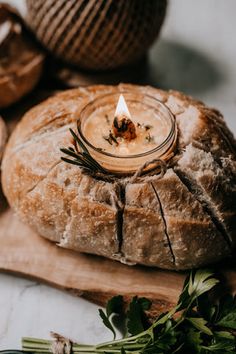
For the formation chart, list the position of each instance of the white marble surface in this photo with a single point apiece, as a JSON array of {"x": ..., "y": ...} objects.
[{"x": 196, "y": 54}]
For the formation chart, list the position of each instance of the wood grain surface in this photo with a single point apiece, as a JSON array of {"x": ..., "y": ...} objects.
[{"x": 25, "y": 253}]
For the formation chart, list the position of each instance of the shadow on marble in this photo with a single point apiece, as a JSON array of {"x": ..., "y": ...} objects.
[{"x": 173, "y": 65}]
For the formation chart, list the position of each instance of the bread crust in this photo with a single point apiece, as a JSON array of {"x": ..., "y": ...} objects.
[
  {"x": 155, "y": 222},
  {"x": 213, "y": 186},
  {"x": 194, "y": 238},
  {"x": 93, "y": 219},
  {"x": 144, "y": 228}
]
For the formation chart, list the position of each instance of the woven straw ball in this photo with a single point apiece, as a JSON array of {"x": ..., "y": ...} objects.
[{"x": 96, "y": 34}]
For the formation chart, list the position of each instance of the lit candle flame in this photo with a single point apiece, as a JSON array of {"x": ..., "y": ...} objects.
[
  {"x": 122, "y": 124},
  {"x": 121, "y": 108}
]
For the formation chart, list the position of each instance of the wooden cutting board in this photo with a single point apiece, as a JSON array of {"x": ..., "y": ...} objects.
[{"x": 26, "y": 254}]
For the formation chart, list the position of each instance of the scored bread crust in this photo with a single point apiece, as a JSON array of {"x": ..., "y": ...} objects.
[{"x": 185, "y": 219}]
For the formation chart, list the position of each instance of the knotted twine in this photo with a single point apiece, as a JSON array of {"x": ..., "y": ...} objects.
[
  {"x": 60, "y": 344},
  {"x": 158, "y": 164},
  {"x": 139, "y": 175}
]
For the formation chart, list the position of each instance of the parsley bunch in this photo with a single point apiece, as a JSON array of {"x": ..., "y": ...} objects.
[{"x": 194, "y": 325}]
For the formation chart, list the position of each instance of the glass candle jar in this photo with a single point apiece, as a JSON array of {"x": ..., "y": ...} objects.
[{"x": 155, "y": 125}]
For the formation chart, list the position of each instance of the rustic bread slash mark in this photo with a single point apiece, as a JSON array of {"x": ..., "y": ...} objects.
[
  {"x": 45, "y": 135},
  {"x": 47, "y": 207},
  {"x": 193, "y": 237},
  {"x": 30, "y": 166},
  {"x": 164, "y": 221},
  {"x": 43, "y": 177},
  {"x": 195, "y": 190},
  {"x": 144, "y": 239},
  {"x": 92, "y": 227},
  {"x": 120, "y": 213},
  {"x": 212, "y": 186}
]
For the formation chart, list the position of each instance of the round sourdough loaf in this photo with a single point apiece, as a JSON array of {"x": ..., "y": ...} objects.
[{"x": 185, "y": 219}]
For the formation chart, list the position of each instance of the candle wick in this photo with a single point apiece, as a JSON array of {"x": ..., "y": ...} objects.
[{"x": 123, "y": 127}]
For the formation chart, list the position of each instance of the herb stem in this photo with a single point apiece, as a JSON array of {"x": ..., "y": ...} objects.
[
  {"x": 170, "y": 333},
  {"x": 81, "y": 156}
]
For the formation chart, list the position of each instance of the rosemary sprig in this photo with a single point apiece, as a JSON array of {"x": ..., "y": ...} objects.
[
  {"x": 194, "y": 325},
  {"x": 81, "y": 156}
]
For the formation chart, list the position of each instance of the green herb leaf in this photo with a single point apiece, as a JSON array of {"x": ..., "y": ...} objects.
[
  {"x": 114, "y": 305},
  {"x": 221, "y": 344},
  {"x": 206, "y": 308},
  {"x": 200, "y": 324},
  {"x": 229, "y": 321},
  {"x": 201, "y": 282},
  {"x": 225, "y": 335},
  {"x": 145, "y": 303},
  {"x": 196, "y": 284},
  {"x": 137, "y": 320},
  {"x": 193, "y": 340},
  {"x": 187, "y": 328},
  {"x": 227, "y": 312},
  {"x": 107, "y": 322}
]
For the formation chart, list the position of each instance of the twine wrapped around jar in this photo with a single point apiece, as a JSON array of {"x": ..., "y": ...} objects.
[{"x": 96, "y": 34}]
